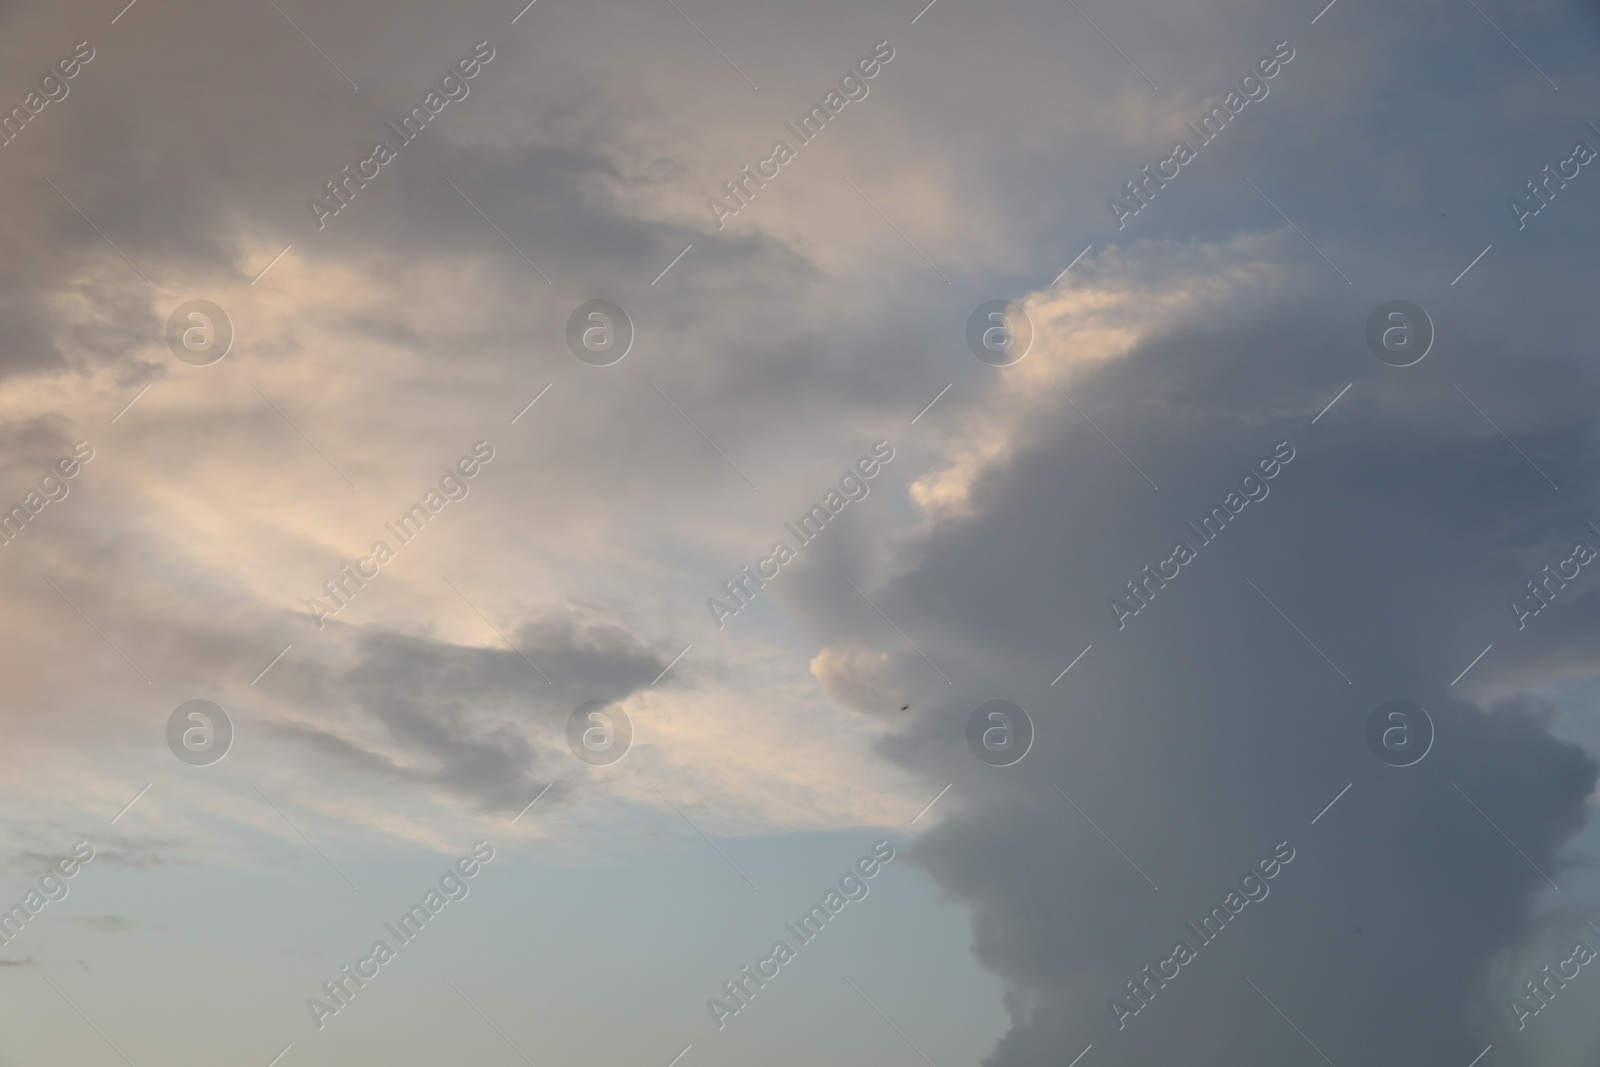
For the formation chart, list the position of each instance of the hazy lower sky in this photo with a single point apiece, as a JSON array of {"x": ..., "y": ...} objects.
[{"x": 1033, "y": 535}]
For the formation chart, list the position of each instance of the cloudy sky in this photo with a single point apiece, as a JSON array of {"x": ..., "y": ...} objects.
[{"x": 246, "y": 354}]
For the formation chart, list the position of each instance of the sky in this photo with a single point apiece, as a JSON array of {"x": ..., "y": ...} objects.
[{"x": 1087, "y": 505}]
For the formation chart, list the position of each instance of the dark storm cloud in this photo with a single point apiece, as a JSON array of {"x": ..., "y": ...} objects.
[{"x": 1208, "y": 730}]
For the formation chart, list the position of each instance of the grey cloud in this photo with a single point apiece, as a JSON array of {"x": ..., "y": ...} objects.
[
  {"x": 478, "y": 723},
  {"x": 1196, "y": 738},
  {"x": 1209, "y": 729},
  {"x": 140, "y": 852},
  {"x": 29, "y": 449},
  {"x": 115, "y": 850}
]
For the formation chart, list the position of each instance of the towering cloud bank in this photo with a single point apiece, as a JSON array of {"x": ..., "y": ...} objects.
[{"x": 1237, "y": 713}]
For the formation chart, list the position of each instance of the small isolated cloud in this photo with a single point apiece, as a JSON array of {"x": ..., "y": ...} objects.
[
  {"x": 480, "y": 724},
  {"x": 866, "y": 680}
]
